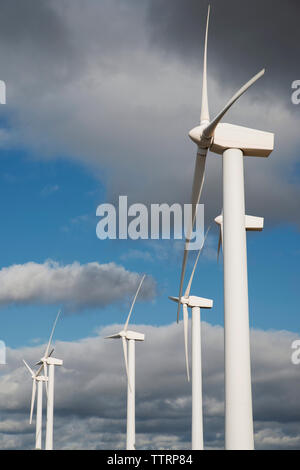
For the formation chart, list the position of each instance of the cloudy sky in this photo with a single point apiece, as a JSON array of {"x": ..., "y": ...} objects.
[{"x": 101, "y": 95}]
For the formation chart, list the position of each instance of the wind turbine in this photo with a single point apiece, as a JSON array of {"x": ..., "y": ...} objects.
[
  {"x": 128, "y": 341},
  {"x": 195, "y": 303},
  {"x": 233, "y": 142},
  {"x": 252, "y": 224},
  {"x": 45, "y": 361},
  {"x": 37, "y": 382}
]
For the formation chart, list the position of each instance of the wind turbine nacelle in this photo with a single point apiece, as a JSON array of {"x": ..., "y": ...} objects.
[
  {"x": 251, "y": 142},
  {"x": 135, "y": 336},
  {"x": 193, "y": 301},
  {"x": 54, "y": 362},
  {"x": 252, "y": 223}
]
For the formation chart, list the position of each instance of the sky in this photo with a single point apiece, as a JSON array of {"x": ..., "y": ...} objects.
[{"x": 101, "y": 95}]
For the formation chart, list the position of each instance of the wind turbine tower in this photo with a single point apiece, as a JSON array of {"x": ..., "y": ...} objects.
[
  {"x": 195, "y": 303},
  {"x": 37, "y": 383},
  {"x": 128, "y": 341},
  {"x": 48, "y": 361}
]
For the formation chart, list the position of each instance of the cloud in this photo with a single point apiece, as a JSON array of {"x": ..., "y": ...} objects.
[
  {"x": 124, "y": 90},
  {"x": 263, "y": 34},
  {"x": 74, "y": 286},
  {"x": 90, "y": 392}
]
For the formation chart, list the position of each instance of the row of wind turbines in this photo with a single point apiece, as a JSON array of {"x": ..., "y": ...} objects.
[
  {"x": 44, "y": 376},
  {"x": 233, "y": 143}
]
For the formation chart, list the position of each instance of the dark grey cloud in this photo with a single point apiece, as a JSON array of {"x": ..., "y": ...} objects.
[
  {"x": 32, "y": 22},
  {"x": 244, "y": 36},
  {"x": 116, "y": 86},
  {"x": 35, "y": 48}
]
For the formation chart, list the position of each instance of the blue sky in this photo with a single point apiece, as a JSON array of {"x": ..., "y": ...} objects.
[{"x": 49, "y": 210}]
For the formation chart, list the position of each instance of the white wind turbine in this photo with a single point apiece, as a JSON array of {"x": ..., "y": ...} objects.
[
  {"x": 37, "y": 383},
  {"x": 128, "y": 341},
  {"x": 195, "y": 303},
  {"x": 45, "y": 361},
  {"x": 233, "y": 142}
]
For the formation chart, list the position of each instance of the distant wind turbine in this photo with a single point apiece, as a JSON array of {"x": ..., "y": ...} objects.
[
  {"x": 37, "y": 382},
  {"x": 128, "y": 341},
  {"x": 195, "y": 303},
  {"x": 45, "y": 361}
]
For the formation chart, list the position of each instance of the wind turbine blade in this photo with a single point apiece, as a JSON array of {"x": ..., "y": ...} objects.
[
  {"x": 132, "y": 305},
  {"x": 199, "y": 176},
  {"x": 46, "y": 375},
  {"x": 222, "y": 235},
  {"x": 184, "y": 261},
  {"x": 51, "y": 352},
  {"x": 220, "y": 243},
  {"x": 188, "y": 289},
  {"x": 210, "y": 129},
  {"x": 32, "y": 399},
  {"x": 113, "y": 336},
  {"x": 39, "y": 370},
  {"x": 204, "y": 117},
  {"x": 30, "y": 370},
  {"x": 185, "y": 328},
  {"x": 124, "y": 343},
  {"x": 51, "y": 336}
]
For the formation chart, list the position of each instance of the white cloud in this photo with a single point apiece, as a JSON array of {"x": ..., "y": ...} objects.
[{"x": 76, "y": 286}]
